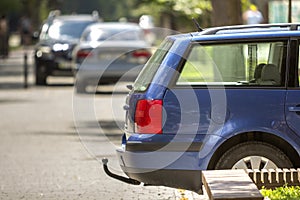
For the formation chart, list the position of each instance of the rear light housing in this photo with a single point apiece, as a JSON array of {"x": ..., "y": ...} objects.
[
  {"x": 140, "y": 56},
  {"x": 141, "y": 53},
  {"x": 83, "y": 54},
  {"x": 148, "y": 116}
]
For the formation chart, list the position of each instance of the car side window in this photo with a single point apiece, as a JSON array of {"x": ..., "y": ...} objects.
[{"x": 234, "y": 64}]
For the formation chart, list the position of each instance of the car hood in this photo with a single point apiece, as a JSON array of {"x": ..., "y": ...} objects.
[{"x": 51, "y": 42}]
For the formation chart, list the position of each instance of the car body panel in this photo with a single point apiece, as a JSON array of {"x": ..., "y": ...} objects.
[
  {"x": 200, "y": 122},
  {"x": 292, "y": 109}
]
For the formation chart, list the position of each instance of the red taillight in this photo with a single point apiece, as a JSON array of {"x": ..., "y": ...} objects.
[
  {"x": 83, "y": 53},
  {"x": 148, "y": 116},
  {"x": 141, "y": 53}
]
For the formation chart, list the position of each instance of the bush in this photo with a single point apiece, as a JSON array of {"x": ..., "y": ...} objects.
[{"x": 282, "y": 193}]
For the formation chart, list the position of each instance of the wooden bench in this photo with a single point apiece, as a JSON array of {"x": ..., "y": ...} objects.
[{"x": 230, "y": 185}]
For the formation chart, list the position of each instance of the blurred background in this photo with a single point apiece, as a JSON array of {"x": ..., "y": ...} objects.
[{"x": 172, "y": 14}]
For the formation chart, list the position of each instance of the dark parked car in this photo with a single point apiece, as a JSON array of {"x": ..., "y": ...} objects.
[
  {"x": 58, "y": 36},
  {"x": 109, "y": 52},
  {"x": 221, "y": 98}
]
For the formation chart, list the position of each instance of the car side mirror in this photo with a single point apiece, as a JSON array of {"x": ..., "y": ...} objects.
[
  {"x": 35, "y": 35},
  {"x": 130, "y": 87}
]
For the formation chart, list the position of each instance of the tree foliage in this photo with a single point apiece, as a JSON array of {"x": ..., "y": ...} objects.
[
  {"x": 189, "y": 8},
  {"x": 8, "y": 6},
  {"x": 173, "y": 13},
  {"x": 167, "y": 13},
  {"x": 227, "y": 12},
  {"x": 111, "y": 10}
]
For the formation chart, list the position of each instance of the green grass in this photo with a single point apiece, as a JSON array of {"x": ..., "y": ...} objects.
[{"x": 282, "y": 193}]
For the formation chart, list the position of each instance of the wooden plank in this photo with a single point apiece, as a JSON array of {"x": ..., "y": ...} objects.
[
  {"x": 257, "y": 177},
  {"x": 265, "y": 176},
  {"x": 295, "y": 176},
  {"x": 230, "y": 185},
  {"x": 279, "y": 176},
  {"x": 272, "y": 175},
  {"x": 287, "y": 176}
]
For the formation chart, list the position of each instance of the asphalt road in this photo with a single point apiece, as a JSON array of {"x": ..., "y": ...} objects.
[{"x": 52, "y": 140}]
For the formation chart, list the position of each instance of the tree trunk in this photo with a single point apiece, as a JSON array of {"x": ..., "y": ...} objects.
[{"x": 226, "y": 12}]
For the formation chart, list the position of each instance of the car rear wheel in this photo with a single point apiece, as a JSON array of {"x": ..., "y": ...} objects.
[
  {"x": 40, "y": 75},
  {"x": 253, "y": 155}
]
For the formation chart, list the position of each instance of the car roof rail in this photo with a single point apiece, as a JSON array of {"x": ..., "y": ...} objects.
[
  {"x": 56, "y": 13},
  {"x": 212, "y": 31}
]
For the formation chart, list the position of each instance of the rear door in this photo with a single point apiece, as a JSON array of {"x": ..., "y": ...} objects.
[
  {"x": 293, "y": 93},
  {"x": 220, "y": 89}
]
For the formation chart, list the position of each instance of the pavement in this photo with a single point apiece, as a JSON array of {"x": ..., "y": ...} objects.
[{"x": 43, "y": 155}]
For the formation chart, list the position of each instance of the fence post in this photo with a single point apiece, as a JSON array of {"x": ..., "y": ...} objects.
[{"x": 25, "y": 70}]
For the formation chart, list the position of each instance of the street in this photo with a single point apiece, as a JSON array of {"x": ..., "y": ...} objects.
[{"x": 53, "y": 140}]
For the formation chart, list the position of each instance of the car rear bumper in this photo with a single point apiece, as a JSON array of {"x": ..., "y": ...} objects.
[
  {"x": 171, "y": 160},
  {"x": 92, "y": 74},
  {"x": 56, "y": 67},
  {"x": 163, "y": 168},
  {"x": 183, "y": 179}
]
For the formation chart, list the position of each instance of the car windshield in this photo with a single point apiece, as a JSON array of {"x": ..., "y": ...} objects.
[
  {"x": 113, "y": 33},
  {"x": 149, "y": 70},
  {"x": 67, "y": 29}
]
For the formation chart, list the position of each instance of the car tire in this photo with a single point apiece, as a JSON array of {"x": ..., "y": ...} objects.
[
  {"x": 40, "y": 75},
  {"x": 253, "y": 155}
]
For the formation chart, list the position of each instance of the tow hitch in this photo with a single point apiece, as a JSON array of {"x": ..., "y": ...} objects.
[{"x": 115, "y": 176}]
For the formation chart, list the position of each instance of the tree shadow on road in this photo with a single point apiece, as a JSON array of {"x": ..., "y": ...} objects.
[
  {"x": 58, "y": 85},
  {"x": 106, "y": 128},
  {"x": 9, "y": 85}
]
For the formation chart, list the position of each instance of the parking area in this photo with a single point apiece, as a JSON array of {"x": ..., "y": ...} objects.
[{"x": 52, "y": 141}]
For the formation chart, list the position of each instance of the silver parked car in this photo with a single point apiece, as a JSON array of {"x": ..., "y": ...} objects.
[{"x": 109, "y": 52}]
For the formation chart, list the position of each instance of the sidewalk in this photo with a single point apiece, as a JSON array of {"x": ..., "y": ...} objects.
[
  {"x": 12, "y": 69},
  {"x": 42, "y": 156}
]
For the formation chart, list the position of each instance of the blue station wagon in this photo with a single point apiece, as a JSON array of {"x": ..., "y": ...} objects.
[{"x": 221, "y": 98}]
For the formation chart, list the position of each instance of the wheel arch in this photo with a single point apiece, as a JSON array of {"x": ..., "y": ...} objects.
[{"x": 271, "y": 139}]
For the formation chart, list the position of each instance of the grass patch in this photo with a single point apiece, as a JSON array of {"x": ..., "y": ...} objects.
[{"x": 282, "y": 193}]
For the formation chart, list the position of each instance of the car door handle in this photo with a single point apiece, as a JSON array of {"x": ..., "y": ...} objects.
[{"x": 294, "y": 109}]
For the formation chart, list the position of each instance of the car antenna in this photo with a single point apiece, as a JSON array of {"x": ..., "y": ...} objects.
[{"x": 197, "y": 25}]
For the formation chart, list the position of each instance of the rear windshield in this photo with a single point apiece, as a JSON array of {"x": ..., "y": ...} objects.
[
  {"x": 66, "y": 30},
  {"x": 145, "y": 77},
  {"x": 113, "y": 33}
]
